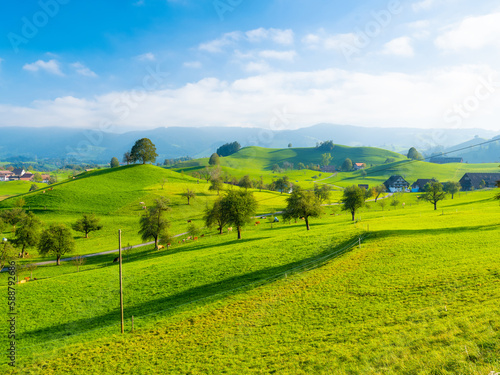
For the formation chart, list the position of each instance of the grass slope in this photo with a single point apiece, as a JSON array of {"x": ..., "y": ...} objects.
[{"x": 419, "y": 297}]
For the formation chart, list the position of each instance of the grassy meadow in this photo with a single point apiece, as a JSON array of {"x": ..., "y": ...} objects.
[{"x": 419, "y": 295}]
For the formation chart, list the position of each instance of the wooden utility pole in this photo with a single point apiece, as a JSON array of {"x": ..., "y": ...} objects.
[{"x": 121, "y": 282}]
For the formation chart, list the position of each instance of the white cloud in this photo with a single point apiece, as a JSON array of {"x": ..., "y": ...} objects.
[
  {"x": 422, "y": 5},
  {"x": 257, "y": 67},
  {"x": 282, "y": 37},
  {"x": 472, "y": 33},
  {"x": 217, "y": 45},
  {"x": 146, "y": 57},
  {"x": 278, "y": 55},
  {"x": 83, "y": 70},
  {"x": 330, "y": 95},
  {"x": 192, "y": 64},
  {"x": 51, "y": 66},
  {"x": 420, "y": 29},
  {"x": 399, "y": 47},
  {"x": 330, "y": 42}
]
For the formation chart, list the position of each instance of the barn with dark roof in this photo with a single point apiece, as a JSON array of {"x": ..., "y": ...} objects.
[{"x": 472, "y": 181}]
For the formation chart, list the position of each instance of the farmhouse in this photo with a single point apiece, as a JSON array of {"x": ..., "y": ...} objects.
[
  {"x": 328, "y": 169},
  {"x": 5, "y": 175},
  {"x": 396, "y": 183},
  {"x": 419, "y": 185},
  {"x": 363, "y": 186},
  {"x": 358, "y": 166},
  {"x": 27, "y": 177},
  {"x": 445, "y": 160},
  {"x": 472, "y": 181}
]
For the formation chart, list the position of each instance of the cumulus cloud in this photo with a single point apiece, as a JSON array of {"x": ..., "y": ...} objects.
[
  {"x": 399, "y": 47},
  {"x": 278, "y": 55},
  {"x": 423, "y": 5},
  {"x": 146, "y": 57},
  {"x": 51, "y": 66},
  {"x": 330, "y": 95},
  {"x": 83, "y": 70},
  {"x": 472, "y": 33},
  {"x": 217, "y": 45}
]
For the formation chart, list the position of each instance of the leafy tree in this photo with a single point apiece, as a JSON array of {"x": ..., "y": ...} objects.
[
  {"x": 114, "y": 163},
  {"x": 390, "y": 160},
  {"x": 289, "y": 145},
  {"x": 433, "y": 193},
  {"x": 302, "y": 203},
  {"x": 325, "y": 159},
  {"x": 88, "y": 223},
  {"x": 153, "y": 224},
  {"x": 245, "y": 182},
  {"x": 143, "y": 150},
  {"x": 378, "y": 190},
  {"x": 216, "y": 216},
  {"x": 322, "y": 192},
  {"x": 282, "y": 183},
  {"x": 353, "y": 199},
  {"x": 228, "y": 149},
  {"x": 56, "y": 240},
  {"x": 347, "y": 165},
  {"x": 259, "y": 184},
  {"x": 216, "y": 184},
  {"x": 482, "y": 184},
  {"x": 189, "y": 194},
  {"x": 214, "y": 159},
  {"x": 127, "y": 158},
  {"x": 163, "y": 182},
  {"x": 382, "y": 203},
  {"x": 37, "y": 177},
  {"x": 325, "y": 146},
  {"x": 28, "y": 233},
  {"x": 7, "y": 254},
  {"x": 52, "y": 180},
  {"x": 33, "y": 187},
  {"x": 413, "y": 154},
  {"x": 301, "y": 166},
  {"x": 239, "y": 206},
  {"x": 193, "y": 230},
  {"x": 452, "y": 187},
  {"x": 276, "y": 168},
  {"x": 19, "y": 203},
  {"x": 13, "y": 216}
]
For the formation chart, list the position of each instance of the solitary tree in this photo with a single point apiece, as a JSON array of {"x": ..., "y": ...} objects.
[
  {"x": 282, "y": 183},
  {"x": 301, "y": 166},
  {"x": 216, "y": 216},
  {"x": 13, "y": 216},
  {"x": 216, "y": 184},
  {"x": 56, "y": 240},
  {"x": 245, "y": 182},
  {"x": 114, "y": 163},
  {"x": 214, "y": 159},
  {"x": 88, "y": 223},
  {"x": 37, "y": 177},
  {"x": 347, "y": 165},
  {"x": 240, "y": 206},
  {"x": 52, "y": 180},
  {"x": 289, "y": 145},
  {"x": 33, "y": 187},
  {"x": 413, "y": 154},
  {"x": 127, "y": 158},
  {"x": 302, "y": 204},
  {"x": 353, "y": 199},
  {"x": 78, "y": 261},
  {"x": 325, "y": 159},
  {"x": 153, "y": 224},
  {"x": 322, "y": 192},
  {"x": 189, "y": 194},
  {"x": 378, "y": 190},
  {"x": 28, "y": 232},
  {"x": 433, "y": 193},
  {"x": 163, "y": 182},
  {"x": 144, "y": 150},
  {"x": 452, "y": 187}
]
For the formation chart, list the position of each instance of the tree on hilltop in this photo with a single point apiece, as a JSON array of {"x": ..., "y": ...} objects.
[
  {"x": 228, "y": 149},
  {"x": 413, "y": 154},
  {"x": 144, "y": 151},
  {"x": 114, "y": 163},
  {"x": 214, "y": 159},
  {"x": 127, "y": 158}
]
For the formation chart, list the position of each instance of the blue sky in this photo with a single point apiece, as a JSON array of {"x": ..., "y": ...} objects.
[{"x": 141, "y": 64}]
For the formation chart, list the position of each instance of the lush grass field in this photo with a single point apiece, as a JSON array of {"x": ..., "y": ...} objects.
[
  {"x": 12, "y": 188},
  {"x": 419, "y": 297}
]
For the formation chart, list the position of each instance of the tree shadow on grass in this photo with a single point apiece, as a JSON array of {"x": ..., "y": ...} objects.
[{"x": 199, "y": 296}]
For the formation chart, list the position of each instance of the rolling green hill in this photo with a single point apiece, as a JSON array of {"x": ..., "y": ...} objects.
[{"x": 412, "y": 299}]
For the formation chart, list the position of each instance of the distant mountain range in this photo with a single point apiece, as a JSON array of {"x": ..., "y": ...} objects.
[{"x": 91, "y": 145}]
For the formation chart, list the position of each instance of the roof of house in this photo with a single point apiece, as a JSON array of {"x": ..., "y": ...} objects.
[
  {"x": 27, "y": 176},
  {"x": 421, "y": 182},
  {"x": 18, "y": 171},
  {"x": 393, "y": 179},
  {"x": 6, "y": 173},
  {"x": 476, "y": 178},
  {"x": 445, "y": 160},
  {"x": 359, "y": 164}
]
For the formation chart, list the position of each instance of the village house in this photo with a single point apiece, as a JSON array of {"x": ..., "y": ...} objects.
[
  {"x": 358, "y": 166},
  {"x": 445, "y": 160},
  {"x": 419, "y": 185},
  {"x": 472, "y": 181},
  {"x": 5, "y": 175},
  {"x": 396, "y": 183},
  {"x": 328, "y": 169}
]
